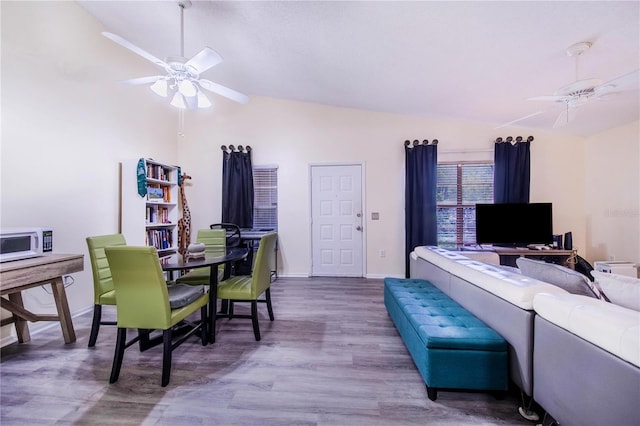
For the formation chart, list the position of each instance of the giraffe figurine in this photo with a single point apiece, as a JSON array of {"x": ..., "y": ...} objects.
[{"x": 184, "y": 223}]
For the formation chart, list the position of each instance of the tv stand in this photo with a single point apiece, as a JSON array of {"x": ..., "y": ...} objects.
[{"x": 508, "y": 255}]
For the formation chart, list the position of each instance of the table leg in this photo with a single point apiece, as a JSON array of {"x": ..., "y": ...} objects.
[
  {"x": 213, "y": 302},
  {"x": 22, "y": 327},
  {"x": 60, "y": 297}
]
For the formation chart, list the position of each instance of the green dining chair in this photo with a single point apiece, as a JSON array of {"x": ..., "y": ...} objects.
[
  {"x": 249, "y": 288},
  {"x": 214, "y": 241},
  {"x": 103, "y": 293},
  {"x": 145, "y": 302}
]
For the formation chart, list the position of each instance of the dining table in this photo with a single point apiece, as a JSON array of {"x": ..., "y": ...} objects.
[{"x": 177, "y": 262}]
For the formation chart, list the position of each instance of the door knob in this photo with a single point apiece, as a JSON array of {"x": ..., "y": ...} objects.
[{"x": 358, "y": 228}]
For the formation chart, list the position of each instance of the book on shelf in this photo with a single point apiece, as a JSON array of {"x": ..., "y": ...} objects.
[
  {"x": 161, "y": 239},
  {"x": 155, "y": 193},
  {"x": 155, "y": 171}
]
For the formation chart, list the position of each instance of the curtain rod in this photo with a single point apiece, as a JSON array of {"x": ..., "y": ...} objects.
[
  {"x": 232, "y": 148},
  {"x": 416, "y": 142},
  {"x": 511, "y": 140}
]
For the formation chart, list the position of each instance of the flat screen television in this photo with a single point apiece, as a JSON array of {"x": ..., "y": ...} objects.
[{"x": 514, "y": 224}]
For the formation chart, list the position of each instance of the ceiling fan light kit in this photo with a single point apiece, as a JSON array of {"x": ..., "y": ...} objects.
[
  {"x": 160, "y": 88},
  {"x": 182, "y": 81}
]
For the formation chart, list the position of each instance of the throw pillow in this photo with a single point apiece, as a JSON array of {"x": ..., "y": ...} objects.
[
  {"x": 565, "y": 278},
  {"x": 620, "y": 289}
]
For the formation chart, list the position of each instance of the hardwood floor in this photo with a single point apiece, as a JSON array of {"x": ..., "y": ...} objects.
[{"x": 331, "y": 357}]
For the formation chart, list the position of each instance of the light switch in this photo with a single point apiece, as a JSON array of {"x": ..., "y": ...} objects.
[{"x": 375, "y": 216}]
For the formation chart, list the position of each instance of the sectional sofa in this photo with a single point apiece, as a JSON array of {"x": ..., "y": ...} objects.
[{"x": 578, "y": 357}]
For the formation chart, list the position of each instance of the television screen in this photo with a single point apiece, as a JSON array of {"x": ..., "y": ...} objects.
[{"x": 514, "y": 224}]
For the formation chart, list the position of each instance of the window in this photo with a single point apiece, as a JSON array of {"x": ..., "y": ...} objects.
[
  {"x": 265, "y": 203},
  {"x": 460, "y": 187}
]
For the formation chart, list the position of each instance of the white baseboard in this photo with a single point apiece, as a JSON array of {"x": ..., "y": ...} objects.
[
  {"x": 382, "y": 276},
  {"x": 368, "y": 276},
  {"x": 293, "y": 275}
]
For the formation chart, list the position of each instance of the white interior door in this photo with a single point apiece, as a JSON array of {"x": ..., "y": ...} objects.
[{"x": 336, "y": 221}]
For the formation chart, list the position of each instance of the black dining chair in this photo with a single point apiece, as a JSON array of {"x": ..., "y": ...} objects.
[
  {"x": 233, "y": 233},
  {"x": 234, "y": 239}
]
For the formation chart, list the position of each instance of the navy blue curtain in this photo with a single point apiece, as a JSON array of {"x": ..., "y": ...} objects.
[
  {"x": 421, "y": 225},
  {"x": 511, "y": 172},
  {"x": 237, "y": 188}
]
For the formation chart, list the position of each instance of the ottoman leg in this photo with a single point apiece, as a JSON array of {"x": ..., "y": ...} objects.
[{"x": 432, "y": 393}]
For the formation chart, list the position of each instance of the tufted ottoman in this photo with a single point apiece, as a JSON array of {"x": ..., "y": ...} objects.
[{"x": 451, "y": 348}]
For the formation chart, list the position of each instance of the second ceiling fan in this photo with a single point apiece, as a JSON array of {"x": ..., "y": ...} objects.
[
  {"x": 580, "y": 92},
  {"x": 182, "y": 80}
]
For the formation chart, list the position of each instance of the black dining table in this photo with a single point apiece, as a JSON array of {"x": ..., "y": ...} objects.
[{"x": 177, "y": 262}]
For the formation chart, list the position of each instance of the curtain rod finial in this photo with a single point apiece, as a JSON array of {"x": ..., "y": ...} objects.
[
  {"x": 407, "y": 142},
  {"x": 434, "y": 142},
  {"x": 530, "y": 139},
  {"x": 224, "y": 148}
]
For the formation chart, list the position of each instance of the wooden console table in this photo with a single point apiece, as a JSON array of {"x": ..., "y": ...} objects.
[
  {"x": 508, "y": 255},
  {"x": 20, "y": 275}
]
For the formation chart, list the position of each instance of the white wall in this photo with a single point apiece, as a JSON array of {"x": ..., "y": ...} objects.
[
  {"x": 612, "y": 185},
  {"x": 294, "y": 135},
  {"x": 66, "y": 126}
]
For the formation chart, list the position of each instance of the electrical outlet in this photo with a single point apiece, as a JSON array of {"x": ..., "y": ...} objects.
[{"x": 383, "y": 253}]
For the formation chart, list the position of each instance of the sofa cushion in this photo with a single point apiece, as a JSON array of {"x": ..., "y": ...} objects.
[
  {"x": 568, "y": 279},
  {"x": 619, "y": 289},
  {"x": 516, "y": 289},
  {"x": 182, "y": 294},
  {"x": 613, "y": 328}
]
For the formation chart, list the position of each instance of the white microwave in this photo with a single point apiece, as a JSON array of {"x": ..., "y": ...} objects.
[{"x": 23, "y": 243}]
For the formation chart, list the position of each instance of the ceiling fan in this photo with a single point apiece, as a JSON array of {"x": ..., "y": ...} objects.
[
  {"x": 182, "y": 79},
  {"x": 580, "y": 92}
]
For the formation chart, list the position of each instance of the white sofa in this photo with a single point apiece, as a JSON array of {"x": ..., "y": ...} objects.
[
  {"x": 586, "y": 360},
  {"x": 576, "y": 356}
]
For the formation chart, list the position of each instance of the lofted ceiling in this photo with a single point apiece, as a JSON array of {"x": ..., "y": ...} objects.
[{"x": 476, "y": 61}]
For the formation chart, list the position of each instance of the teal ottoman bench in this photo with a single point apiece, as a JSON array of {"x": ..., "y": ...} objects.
[{"x": 452, "y": 348}]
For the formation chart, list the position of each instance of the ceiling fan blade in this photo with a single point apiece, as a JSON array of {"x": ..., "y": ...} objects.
[
  {"x": 519, "y": 119},
  {"x": 204, "y": 60},
  {"x": 551, "y": 98},
  {"x": 628, "y": 81},
  {"x": 224, "y": 91},
  {"x": 135, "y": 49},
  {"x": 561, "y": 120},
  {"x": 566, "y": 116},
  {"x": 142, "y": 80}
]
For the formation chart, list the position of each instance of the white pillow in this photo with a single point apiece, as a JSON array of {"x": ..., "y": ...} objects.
[{"x": 620, "y": 289}]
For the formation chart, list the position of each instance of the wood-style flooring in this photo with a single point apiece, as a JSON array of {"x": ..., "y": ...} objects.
[{"x": 331, "y": 357}]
